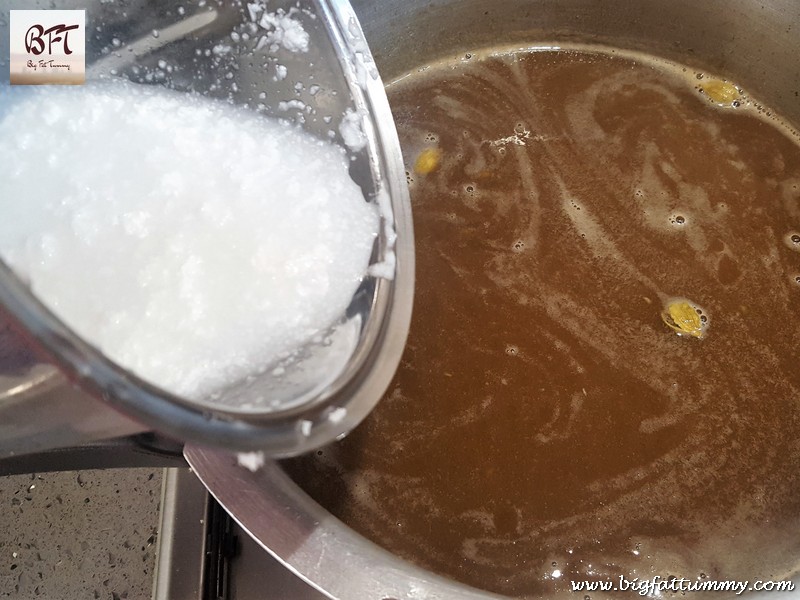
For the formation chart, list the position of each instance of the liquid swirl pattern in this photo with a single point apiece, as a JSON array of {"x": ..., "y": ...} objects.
[{"x": 545, "y": 424}]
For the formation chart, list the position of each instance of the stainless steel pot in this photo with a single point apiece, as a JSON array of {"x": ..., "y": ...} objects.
[{"x": 754, "y": 42}]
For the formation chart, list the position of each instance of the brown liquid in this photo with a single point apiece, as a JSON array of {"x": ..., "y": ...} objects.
[{"x": 544, "y": 418}]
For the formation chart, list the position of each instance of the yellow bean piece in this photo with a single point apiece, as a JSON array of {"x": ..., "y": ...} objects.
[
  {"x": 683, "y": 318},
  {"x": 721, "y": 92},
  {"x": 428, "y": 161}
]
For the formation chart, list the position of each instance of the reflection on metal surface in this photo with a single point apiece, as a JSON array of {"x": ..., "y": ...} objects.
[
  {"x": 185, "y": 562},
  {"x": 181, "y": 538},
  {"x": 309, "y": 541},
  {"x": 149, "y": 43}
]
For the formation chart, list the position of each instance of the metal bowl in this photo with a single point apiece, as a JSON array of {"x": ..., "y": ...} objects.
[{"x": 221, "y": 50}]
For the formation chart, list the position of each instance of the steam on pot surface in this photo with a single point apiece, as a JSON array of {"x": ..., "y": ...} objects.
[{"x": 601, "y": 378}]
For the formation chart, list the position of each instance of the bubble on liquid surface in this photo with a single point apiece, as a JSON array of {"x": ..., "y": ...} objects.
[
  {"x": 678, "y": 220},
  {"x": 792, "y": 240}
]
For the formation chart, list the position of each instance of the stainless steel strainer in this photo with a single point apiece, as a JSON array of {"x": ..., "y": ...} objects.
[{"x": 227, "y": 50}]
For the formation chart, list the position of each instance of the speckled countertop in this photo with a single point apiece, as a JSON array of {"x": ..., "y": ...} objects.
[{"x": 79, "y": 534}]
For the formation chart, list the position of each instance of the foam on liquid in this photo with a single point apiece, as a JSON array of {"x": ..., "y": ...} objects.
[{"x": 192, "y": 242}]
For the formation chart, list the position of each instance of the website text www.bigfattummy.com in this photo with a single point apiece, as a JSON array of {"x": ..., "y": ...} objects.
[{"x": 656, "y": 585}]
